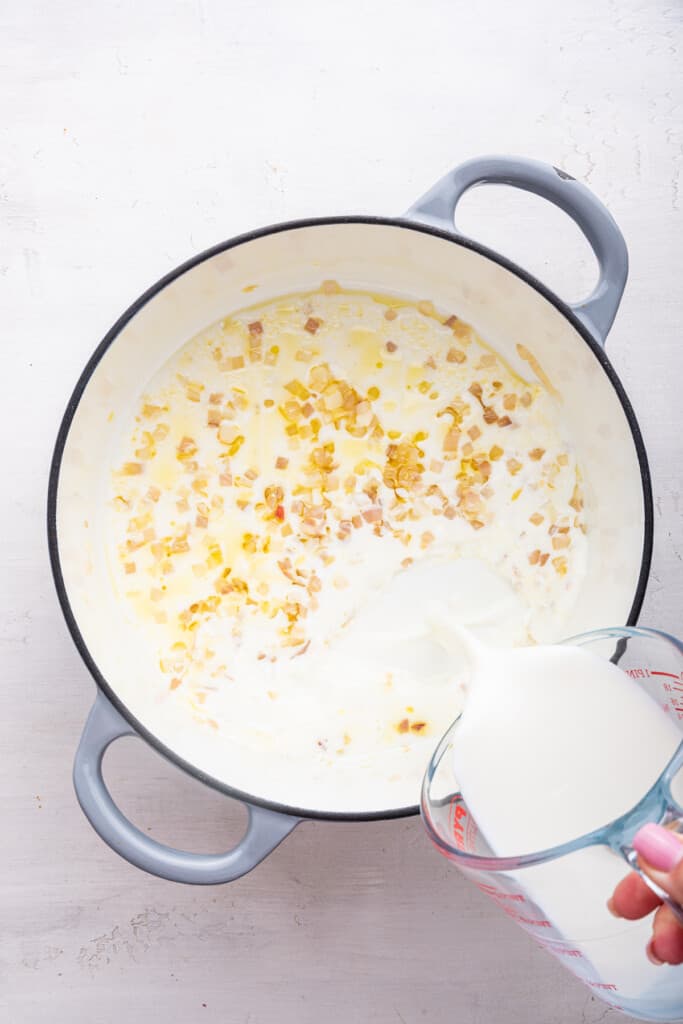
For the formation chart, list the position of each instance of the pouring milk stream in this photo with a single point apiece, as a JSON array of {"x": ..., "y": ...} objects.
[{"x": 553, "y": 743}]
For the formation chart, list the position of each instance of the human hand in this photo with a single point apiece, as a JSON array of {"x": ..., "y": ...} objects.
[{"x": 660, "y": 856}]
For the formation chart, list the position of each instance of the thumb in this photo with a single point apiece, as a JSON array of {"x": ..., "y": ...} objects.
[{"x": 660, "y": 856}]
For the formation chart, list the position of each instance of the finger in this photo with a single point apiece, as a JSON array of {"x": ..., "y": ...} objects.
[
  {"x": 660, "y": 855},
  {"x": 666, "y": 945},
  {"x": 633, "y": 899}
]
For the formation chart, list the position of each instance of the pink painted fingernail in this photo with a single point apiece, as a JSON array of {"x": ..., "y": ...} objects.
[
  {"x": 652, "y": 956},
  {"x": 659, "y": 847}
]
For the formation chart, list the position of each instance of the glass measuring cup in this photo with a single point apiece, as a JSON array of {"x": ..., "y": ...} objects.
[{"x": 559, "y": 895}]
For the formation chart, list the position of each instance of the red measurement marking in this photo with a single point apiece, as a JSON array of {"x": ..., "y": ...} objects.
[
  {"x": 603, "y": 985},
  {"x": 670, "y": 675},
  {"x": 499, "y": 894},
  {"x": 457, "y": 813},
  {"x": 558, "y": 951},
  {"x": 533, "y": 923}
]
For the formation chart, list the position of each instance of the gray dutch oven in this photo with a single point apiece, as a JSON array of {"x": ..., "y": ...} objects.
[{"x": 420, "y": 254}]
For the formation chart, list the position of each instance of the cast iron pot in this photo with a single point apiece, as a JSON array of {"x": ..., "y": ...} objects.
[{"x": 418, "y": 255}]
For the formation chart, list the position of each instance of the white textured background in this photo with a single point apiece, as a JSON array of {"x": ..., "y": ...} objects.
[{"x": 132, "y": 135}]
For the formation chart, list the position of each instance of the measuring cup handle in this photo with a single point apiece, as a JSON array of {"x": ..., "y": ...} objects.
[{"x": 631, "y": 858}]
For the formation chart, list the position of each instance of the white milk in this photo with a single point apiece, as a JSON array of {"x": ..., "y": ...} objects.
[{"x": 553, "y": 743}]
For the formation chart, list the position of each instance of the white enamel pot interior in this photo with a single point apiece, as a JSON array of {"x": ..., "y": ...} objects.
[{"x": 418, "y": 256}]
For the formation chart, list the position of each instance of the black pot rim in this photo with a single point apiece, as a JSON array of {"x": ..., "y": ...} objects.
[{"x": 53, "y": 547}]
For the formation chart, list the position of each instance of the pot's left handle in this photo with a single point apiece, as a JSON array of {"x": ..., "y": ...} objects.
[
  {"x": 266, "y": 829},
  {"x": 597, "y": 312}
]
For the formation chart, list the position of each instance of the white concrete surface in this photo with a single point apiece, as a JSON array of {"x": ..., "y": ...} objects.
[{"x": 132, "y": 135}]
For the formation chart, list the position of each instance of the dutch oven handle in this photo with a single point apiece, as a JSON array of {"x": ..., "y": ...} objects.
[
  {"x": 265, "y": 831},
  {"x": 597, "y": 312}
]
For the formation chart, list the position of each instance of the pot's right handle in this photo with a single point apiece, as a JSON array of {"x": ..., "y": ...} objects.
[
  {"x": 597, "y": 312},
  {"x": 265, "y": 831}
]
